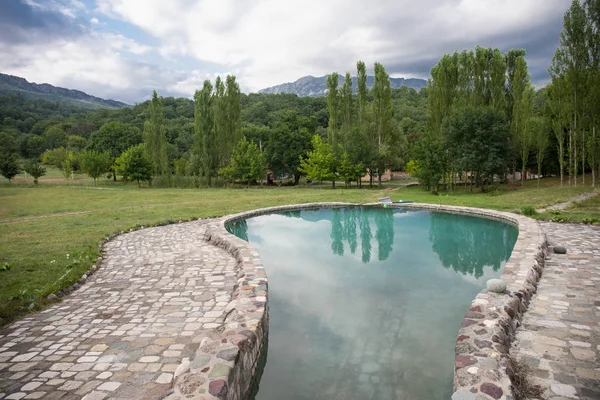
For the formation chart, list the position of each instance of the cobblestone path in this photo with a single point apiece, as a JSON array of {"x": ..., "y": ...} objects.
[
  {"x": 560, "y": 335},
  {"x": 123, "y": 334}
]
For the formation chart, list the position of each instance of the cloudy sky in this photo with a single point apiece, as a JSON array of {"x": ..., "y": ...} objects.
[{"x": 123, "y": 49}]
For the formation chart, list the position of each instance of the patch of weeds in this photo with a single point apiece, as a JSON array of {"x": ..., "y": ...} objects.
[
  {"x": 557, "y": 216},
  {"x": 522, "y": 386},
  {"x": 529, "y": 211},
  {"x": 5, "y": 267},
  {"x": 494, "y": 189},
  {"x": 590, "y": 220},
  {"x": 81, "y": 257}
]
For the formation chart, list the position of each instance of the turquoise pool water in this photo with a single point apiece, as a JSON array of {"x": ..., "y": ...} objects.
[{"x": 366, "y": 303}]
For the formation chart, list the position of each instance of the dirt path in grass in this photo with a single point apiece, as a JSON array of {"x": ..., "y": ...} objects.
[
  {"x": 25, "y": 219},
  {"x": 566, "y": 204}
]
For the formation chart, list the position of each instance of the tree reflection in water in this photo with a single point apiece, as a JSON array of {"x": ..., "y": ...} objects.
[
  {"x": 468, "y": 244},
  {"x": 345, "y": 226}
]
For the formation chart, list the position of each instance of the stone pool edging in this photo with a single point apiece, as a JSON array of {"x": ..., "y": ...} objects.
[
  {"x": 231, "y": 355},
  {"x": 229, "y": 360},
  {"x": 482, "y": 348}
]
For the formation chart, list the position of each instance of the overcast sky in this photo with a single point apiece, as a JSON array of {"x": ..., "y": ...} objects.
[{"x": 123, "y": 49}]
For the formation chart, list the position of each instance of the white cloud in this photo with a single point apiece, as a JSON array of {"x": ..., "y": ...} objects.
[
  {"x": 265, "y": 42},
  {"x": 271, "y": 41}
]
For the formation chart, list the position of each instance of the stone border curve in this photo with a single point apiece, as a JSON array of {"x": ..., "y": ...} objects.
[{"x": 481, "y": 368}]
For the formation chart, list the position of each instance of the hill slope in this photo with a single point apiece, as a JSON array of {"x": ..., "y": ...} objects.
[
  {"x": 317, "y": 86},
  {"x": 10, "y": 83}
]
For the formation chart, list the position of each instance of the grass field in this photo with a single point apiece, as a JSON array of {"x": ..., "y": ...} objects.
[{"x": 50, "y": 232}]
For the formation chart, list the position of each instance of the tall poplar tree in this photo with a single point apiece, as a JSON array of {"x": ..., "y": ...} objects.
[
  {"x": 333, "y": 106},
  {"x": 346, "y": 110},
  {"x": 572, "y": 60},
  {"x": 155, "y": 139},
  {"x": 497, "y": 85},
  {"x": 382, "y": 113},
  {"x": 233, "y": 123},
  {"x": 205, "y": 141},
  {"x": 220, "y": 121}
]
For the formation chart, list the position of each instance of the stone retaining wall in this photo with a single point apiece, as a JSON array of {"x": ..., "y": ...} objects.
[
  {"x": 483, "y": 343},
  {"x": 235, "y": 350}
]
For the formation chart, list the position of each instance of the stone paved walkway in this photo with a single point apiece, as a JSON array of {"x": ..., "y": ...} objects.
[
  {"x": 560, "y": 335},
  {"x": 126, "y": 330}
]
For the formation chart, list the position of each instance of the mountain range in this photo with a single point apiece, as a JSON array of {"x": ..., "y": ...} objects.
[
  {"x": 317, "y": 86},
  {"x": 45, "y": 91}
]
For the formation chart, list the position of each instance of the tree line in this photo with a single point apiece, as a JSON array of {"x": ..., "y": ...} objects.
[
  {"x": 192, "y": 142},
  {"x": 485, "y": 118}
]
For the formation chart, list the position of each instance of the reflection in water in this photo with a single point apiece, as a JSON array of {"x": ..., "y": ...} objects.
[
  {"x": 239, "y": 228},
  {"x": 468, "y": 244},
  {"x": 345, "y": 229},
  {"x": 350, "y": 318}
]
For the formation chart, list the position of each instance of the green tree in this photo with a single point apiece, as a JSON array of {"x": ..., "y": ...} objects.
[
  {"x": 558, "y": 115},
  {"x": 55, "y": 137},
  {"x": 497, "y": 85},
  {"x": 205, "y": 141},
  {"x": 382, "y": 112},
  {"x": 317, "y": 163},
  {"x": 8, "y": 144},
  {"x": 540, "y": 134},
  {"x": 346, "y": 110},
  {"x": 9, "y": 165},
  {"x": 289, "y": 140},
  {"x": 55, "y": 157},
  {"x": 33, "y": 168},
  {"x": 114, "y": 137},
  {"x": 348, "y": 171},
  {"x": 572, "y": 60},
  {"x": 76, "y": 143},
  {"x": 333, "y": 107},
  {"x": 95, "y": 163},
  {"x": 479, "y": 142},
  {"x": 522, "y": 94},
  {"x": 233, "y": 132},
  {"x": 67, "y": 167},
  {"x": 155, "y": 138},
  {"x": 134, "y": 165},
  {"x": 247, "y": 163},
  {"x": 221, "y": 123}
]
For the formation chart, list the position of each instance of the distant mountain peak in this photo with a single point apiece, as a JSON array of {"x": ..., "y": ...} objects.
[
  {"x": 15, "y": 84},
  {"x": 317, "y": 86}
]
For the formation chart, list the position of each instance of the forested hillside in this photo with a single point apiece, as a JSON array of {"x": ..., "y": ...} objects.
[
  {"x": 32, "y": 127},
  {"x": 45, "y": 91}
]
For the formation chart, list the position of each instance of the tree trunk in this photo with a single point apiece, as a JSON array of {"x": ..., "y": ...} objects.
[
  {"x": 333, "y": 183},
  {"x": 514, "y": 179},
  {"x": 379, "y": 177},
  {"x": 539, "y": 172},
  {"x": 370, "y": 178},
  {"x": 594, "y": 156},
  {"x": 296, "y": 179},
  {"x": 570, "y": 156},
  {"x": 523, "y": 172},
  {"x": 575, "y": 162},
  {"x": 561, "y": 162},
  {"x": 583, "y": 159}
]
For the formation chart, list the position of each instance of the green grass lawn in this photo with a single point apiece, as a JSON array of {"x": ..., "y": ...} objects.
[{"x": 50, "y": 232}]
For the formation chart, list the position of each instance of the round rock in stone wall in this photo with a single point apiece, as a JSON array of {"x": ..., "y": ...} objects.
[
  {"x": 560, "y": 250},
  {"x": 496, "y": 285}
]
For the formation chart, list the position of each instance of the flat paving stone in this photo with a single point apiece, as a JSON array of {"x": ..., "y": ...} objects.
[
  {"x": 560, "y": 335},
  {"x": 125, "y": 331}
]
